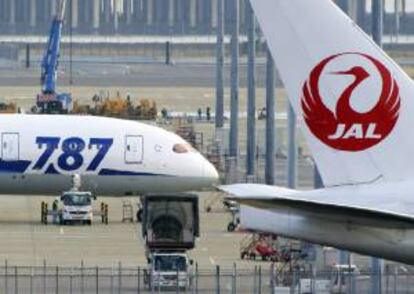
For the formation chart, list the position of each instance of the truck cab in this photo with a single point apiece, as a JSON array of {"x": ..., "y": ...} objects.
[
  {"x": 76, "y": 207},
  {"x": 168, "y": 270}
]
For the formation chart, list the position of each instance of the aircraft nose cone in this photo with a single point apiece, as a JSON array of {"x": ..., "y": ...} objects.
[{"x": 210, "y": 173}]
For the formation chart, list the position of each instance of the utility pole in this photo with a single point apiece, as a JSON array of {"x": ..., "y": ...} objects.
[
  {"x": 251, "y": 100},
  {"x": 397, "y": 9},
  {"x": 270, "y": 120},
  {"x": 377, "y": 33},
  {"x": 220, "y": 66},
  {"x": 377, "y": 21},
  {"x": 292, "y": 149},
  {"x": 234, "y": 113}
]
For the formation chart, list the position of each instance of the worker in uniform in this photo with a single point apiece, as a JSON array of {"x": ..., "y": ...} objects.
[
  {"x": 208, "y": 113},
  {"x": 200, "y": 113},
  {"x": 55, "y": 210},
  {"x": 164, "y": 114}
]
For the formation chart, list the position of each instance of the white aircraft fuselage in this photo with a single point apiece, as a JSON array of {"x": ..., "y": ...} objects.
[{"x": 41, "y": 153}]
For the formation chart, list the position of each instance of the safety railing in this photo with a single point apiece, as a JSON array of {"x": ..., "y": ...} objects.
[{"x": 260, "y": 279}]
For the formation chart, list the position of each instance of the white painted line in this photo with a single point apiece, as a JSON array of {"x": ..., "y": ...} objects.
[
  {"x": 85, "y": 39},
  {"x": 212, "y": 261}
]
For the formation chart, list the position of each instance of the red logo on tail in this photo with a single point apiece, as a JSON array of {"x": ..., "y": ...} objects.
[{"x": 347, "y": 129}]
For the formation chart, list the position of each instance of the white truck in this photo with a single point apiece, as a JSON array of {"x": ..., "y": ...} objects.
[
  {"x": 168, "y": 270},
  {"x": 76, "y": 207}
]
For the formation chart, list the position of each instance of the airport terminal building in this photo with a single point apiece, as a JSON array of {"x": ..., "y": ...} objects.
[
  {"x": 109, "y": 16},
  {"x": 154, "y": 16}
]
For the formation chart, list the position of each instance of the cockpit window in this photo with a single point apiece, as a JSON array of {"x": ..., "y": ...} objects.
[{"x": 182, "y": 148}]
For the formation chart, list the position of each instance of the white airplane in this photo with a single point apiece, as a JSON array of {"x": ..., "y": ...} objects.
[
  {"x": 356, "y": 109},
  {"x": 41, "y": 153}
]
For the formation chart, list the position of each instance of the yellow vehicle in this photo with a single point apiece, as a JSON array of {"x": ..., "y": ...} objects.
[
  {"x": 146, "y": 110},
  {"x": 118, "y": 107},
  {"x": 8, "y": 107}
]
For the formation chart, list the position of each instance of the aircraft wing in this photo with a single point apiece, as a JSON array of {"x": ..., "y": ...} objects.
[{"x": 363, "y": 205}]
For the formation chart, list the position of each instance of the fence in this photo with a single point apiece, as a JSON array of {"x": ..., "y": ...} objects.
[{"x": 266, "y": 279}]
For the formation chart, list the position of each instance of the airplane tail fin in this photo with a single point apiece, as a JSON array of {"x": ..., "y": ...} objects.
[{"x": 352, "y": 101}]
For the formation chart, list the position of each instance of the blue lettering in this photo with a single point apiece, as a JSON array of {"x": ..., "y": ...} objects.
[
  {"x": 103, "y": 146},
  {"x": 51, "y": 144},
  {"x": 71, "y": 158}
]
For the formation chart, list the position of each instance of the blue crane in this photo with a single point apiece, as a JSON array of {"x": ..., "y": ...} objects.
[{"x": 49, "y": 101}]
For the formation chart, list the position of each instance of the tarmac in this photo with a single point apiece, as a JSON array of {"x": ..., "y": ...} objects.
[{"x": 27, "y": 242}]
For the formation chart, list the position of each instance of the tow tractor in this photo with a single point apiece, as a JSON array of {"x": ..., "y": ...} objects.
[{"x": 170, "y": 227}]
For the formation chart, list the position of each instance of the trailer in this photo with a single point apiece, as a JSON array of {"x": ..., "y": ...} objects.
[{"x": 170, "y": 221}]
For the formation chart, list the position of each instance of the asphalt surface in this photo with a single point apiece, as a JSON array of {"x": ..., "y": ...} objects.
[
  {"x": 27, "y": 242},
  {"x": 152, "y": 73}
]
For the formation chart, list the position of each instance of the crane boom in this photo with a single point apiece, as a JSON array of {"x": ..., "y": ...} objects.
[
  {"x": 61, "y": 10},
  {"x": 49, "y": 65}
]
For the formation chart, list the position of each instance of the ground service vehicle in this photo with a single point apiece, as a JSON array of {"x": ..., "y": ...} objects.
[
  {"x": 171, "y": 221},
  {"x": 168, "y": 269},
  {"x": 260, "y": 246},
  {"x": 170, "y": 227},
  {"x": 119, "y": 107},
  {"x": 77, "y": 207},
  {"x": 8, "y": 107}
]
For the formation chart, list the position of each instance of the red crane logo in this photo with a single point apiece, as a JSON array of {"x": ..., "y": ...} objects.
[{"x": 348, "y": 129}]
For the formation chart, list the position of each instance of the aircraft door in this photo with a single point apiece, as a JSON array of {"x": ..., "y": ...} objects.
[
  {"x": 134, "y": 149},
  {"x": 10, "y": 146}
]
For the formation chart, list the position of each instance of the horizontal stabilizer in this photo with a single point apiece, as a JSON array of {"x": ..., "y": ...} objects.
[{"x": 330, "y": 204}]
